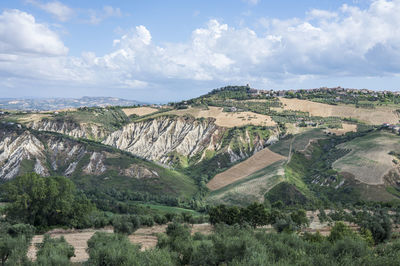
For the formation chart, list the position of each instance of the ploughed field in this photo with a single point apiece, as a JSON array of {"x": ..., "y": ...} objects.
[{"x": 241, "y": 170}]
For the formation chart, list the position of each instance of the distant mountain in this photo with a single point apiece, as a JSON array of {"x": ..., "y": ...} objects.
[{"x": 43, "y": 104}]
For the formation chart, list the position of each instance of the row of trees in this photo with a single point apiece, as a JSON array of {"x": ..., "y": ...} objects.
[
  {"x": 257, "y": 214},
  {"x": 243, "y": 245}
]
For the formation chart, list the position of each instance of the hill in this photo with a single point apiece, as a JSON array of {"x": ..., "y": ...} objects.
[
  {"x": 90, "y": 165},
  {"x": 222, "y": 136},
  {"x": 46, "y": 104}
]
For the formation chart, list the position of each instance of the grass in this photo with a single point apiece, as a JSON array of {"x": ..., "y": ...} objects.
[
  {"x": 168, "y": 209},
  {"x": 259, "y": 174},
  {"x": 168, "y": 182},
  {"x": 369, "y": 159},
  {"x": 299, "y": 141},
  {"x": 302, "y": 140},
  {"x": 296, "y": 171},
  {"x": 251, "y": 188},
  {"x": 393, "y": 191},
  {"x": 26, "y": 166},
  {"x": 282, "y": 147}
]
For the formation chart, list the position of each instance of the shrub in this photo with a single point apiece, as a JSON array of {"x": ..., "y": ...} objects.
[
  {"x": 126, "y": 224},
  {"x": 54, "y": 252},
  {"x": 111, "y": 249},
  {"x": 14, "y": 243},
  {"x": 45, "y": 201},
  {"x": 146, "y": 220},
  {"x": 340, "y": 231}
]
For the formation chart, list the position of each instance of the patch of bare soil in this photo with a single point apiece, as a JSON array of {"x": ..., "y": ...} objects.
[
  {"x": 77, "y": 238},
  {"x": 146, "y": 237},
  {"x": 241, "y": 170}
]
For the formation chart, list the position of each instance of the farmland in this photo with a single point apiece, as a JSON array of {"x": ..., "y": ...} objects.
[
  {"x": 253, "y": 164},
  {"x": 227, "y": 119},
  {"x": 251, "y": 188},
  {"x": 376, "y": 116},
  {"x": 139, "y": 111},
  {"x": 369, "y": 160}
]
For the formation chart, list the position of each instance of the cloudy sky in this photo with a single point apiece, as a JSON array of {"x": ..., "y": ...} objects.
[{"x": 159, "y": 51}]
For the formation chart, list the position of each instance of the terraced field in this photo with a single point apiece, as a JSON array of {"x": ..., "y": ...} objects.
[
  {"x": 258, "y": 161},
  {"x": 369, "y": 160},
  {"x": 376, "y": 116}
]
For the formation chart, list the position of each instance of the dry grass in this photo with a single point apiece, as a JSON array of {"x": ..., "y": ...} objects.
[
  {"x": 345, "y": 128},
  {"x": 146, "y": 237},
  {"x": 140, "y": 111},
  {"x": 32, "y": 118},
  {"x": 227, "y": 119},
  {"x": 77, "y": 238},
  {"x": 255, "y": 163},
  {"x": 369, "y": 160},
  {"x": 376, "y": 116}
]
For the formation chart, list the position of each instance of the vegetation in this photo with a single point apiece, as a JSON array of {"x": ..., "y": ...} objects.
[
  {"x": 44, "y": 202},
  {"x": 270, "y": 231},
  {"x": 54, "y": 251}
]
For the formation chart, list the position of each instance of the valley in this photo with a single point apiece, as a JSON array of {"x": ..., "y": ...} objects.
[{"x": 259, "y": 157}]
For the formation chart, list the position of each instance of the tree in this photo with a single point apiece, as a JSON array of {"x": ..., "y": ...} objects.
[
  {"x": 126, "y": 224},
  {"x": 14, "y": 242},
  {"x": 111, "y": 249},
  {"x": 45, "y": 201},
  {"x": 116, "y": 249},
  {"x": 340, "y": 231},
  {"x": 54, "y": 252},
  {"x": 256, "y": 215}
]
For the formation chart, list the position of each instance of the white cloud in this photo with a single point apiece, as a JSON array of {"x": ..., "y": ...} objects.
[
  {"x": 20, "y": 33},
  {"x": 321, "y": 14},
  {"x": 57, "y": 9},
  {"x": 344, "y": 44},
  {"x": 251, "y": 2},
  {"x": 107, "y": 12}
]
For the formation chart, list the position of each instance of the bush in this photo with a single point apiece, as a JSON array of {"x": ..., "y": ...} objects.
[
  {"x": 340, "y": 231},
  {"x": 115, "y": 249},
  {"x": 348, "y": 247},
  {"x": 45, "y": 201},
  {"x": 54, "y": 252},
  {"x": 111, "y": 249},
  {"x": 146, "y": 220},
  {"x": 126, "y": 224},
  {"x": 14, "y": 243},
  {"x": 160, "y": 219}
]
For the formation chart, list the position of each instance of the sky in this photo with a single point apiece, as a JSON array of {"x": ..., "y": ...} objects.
[{"x": 161, "y": 51}]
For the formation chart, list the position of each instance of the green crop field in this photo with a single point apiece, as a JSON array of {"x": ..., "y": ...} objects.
[{"x": 167, "y": 209}]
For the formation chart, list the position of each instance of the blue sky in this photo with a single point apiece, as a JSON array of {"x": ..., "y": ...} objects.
[{"x": 161, "y": 51}]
